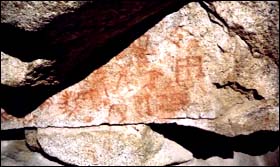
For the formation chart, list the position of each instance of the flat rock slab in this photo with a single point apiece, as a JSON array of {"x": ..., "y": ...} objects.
[{"x": 111, "y": 145}]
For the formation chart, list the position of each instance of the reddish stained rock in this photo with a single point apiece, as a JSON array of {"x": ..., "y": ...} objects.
[
  {"x": 185, "y": 70},
  {"x": 130, "y": 89},
  {"x": 134, "y": 91}
]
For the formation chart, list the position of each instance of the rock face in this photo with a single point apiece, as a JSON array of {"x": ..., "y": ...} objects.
[
  {"x": 111, "y": 145},
  {"x": 15, "y": 73},
  {"x": 33, "y": 15},
  {"x": 209, "y": 65},
  {"x": 179, "y": 71}
]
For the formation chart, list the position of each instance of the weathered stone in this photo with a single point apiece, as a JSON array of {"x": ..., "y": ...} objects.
[
  {"x": 111, "y": 145},
  {"x": 186, "y": 69},
  {"x": 16, "y": 73},
  {"x": 31, "y": 139},
  {"x": 257, "y": 24},
  {"x": 10, "y": 156},
  {"x": 33, "y": 15}
]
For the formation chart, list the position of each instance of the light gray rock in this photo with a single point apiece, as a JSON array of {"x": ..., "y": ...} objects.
[
  {"x": 16, "y": 73},
  {"x": 111, "y": 145},
  {"x": 15, "y": 152},
  {"x": 257, "y": 23},
  {"x": 33, "y": 15}
]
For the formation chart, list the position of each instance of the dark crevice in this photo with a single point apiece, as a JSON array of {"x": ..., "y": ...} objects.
[
  {"x": 13, "y": 134},
  {"x": 244, "y": 36},
  {"x": 213, "y": 12},
  {"x": 54, "y": 159},
  {"x": 77, "y": 48},
  {"x": 248, "y": 37},
  {"x": 221, "y": 48},
  {"x": 210, "y": 9},
  {"x": 205, "y": 144},
  {"x": 249, "y": 93},
  {"x": 177, "y": 163}
]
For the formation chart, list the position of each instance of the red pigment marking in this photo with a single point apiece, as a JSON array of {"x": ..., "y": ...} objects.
[
  {"x": 117, "y": 112},
  {"x": 153, "y": 75},
  {"x": 187, "y": 70},
  {"x": 46, "y": 104},
  {"x": 68, "y": 103},
  {"x": 88, "y": 119},
  {"x": 122, "y": 77}
]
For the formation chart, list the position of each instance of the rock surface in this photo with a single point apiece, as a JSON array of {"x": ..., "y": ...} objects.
[
  {"x": 182, "y": 71},
  {"x": 10, "y": 156},
  {"x": 90, "y": 78},
  {"x": 15, "y": 73},
  {"x": 33, "y": 15},
  {"x": 257, "y": 23},
  {"x": 111, "y": 145}
]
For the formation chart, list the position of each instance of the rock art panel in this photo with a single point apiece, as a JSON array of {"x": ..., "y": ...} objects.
[
  {"x": 190, "y": 68},
  {"x": 134, "y": 92}
]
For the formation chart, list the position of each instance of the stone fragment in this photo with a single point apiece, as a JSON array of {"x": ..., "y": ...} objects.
[
  {"x": 104, "y": 145},
  {"x": 10, "y": 156},
  {"x": 257, "y": 24},
  {"x": 31, "y": 139},
  {"x": 33, "y": 15},
  {"x": 15, "y": 72}
]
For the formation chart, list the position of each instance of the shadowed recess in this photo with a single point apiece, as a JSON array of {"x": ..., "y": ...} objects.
[
  {"x": 13, "y": 134},
  {"x": 205, "y": 144},
  {"x": 79, "y": 42}
]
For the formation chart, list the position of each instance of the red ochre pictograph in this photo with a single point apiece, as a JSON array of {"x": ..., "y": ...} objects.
[
  {"x": 161, "y": 95},
  {"x": 118, "y": 112}
]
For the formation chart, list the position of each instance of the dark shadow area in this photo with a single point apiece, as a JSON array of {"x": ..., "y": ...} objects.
[
  {"x": 79, "y": 42},
  {"x": 13, "y": 134},
  {"x": 19, "y": 101},
  {"x": 205, "y": 144},
  {"x": 26, "y": 46}
]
